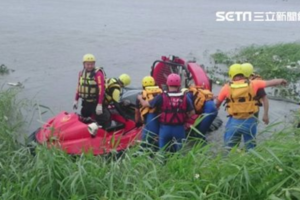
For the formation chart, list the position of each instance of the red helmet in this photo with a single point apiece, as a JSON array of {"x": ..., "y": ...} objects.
[{"x": 174, "y": 80}]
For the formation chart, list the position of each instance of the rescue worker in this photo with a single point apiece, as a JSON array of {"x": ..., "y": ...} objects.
[
  {"x": 175, "y": 108},
  {"x": 113, "y": 92},
  {"x": 241, "y": 106},
  {"x": 204, "y": 105},
  {"x": 147, "y": 115},
  {"x": 91, "y": 89},
  {"x": 261, "y": 95}
]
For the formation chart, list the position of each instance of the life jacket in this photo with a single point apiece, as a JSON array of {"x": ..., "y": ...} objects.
[
  {"x": 148, "y": 94},
  {"x": 111, "y": 84},
  {"x": 88, "y": 89},
  {"x": 241, "y": 103},
  {"x": 200, "y": 97},
  {"x": 174, "y": 109}
]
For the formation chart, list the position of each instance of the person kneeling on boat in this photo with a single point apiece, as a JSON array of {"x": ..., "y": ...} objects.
[
  {"x": 204, "y": 105},
  {"x": 113, "y": 92},
  {"x": 91, "y": 89},
  {"x": 148, "y": 116},
  {"x": 241, "y": 106},
  {"x": 175, "y": 108}
]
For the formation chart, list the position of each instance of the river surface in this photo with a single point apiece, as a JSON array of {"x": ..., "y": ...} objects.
[{"x": 44, "y": 41}]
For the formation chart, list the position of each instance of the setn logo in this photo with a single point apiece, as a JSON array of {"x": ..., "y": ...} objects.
[{"x": 232, "y": 16}]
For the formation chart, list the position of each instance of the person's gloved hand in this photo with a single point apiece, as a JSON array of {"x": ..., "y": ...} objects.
[
  {"x": 99, "y": 110},
  {"x": 75, "y": 105},
  {"x": 138, "y": 124}
]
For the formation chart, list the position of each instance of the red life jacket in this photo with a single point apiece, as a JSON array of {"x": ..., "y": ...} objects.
[{"x": 174, "y": 109}]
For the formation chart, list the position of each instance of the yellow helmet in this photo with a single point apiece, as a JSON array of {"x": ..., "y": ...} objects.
[
  {"x": 148, "y": 81},
  {"x": 248, "y": 69},
  {"x": 89, "y": 58},
  {"x": 235, "y": 69},
  {"x": 125, "y": 79}
]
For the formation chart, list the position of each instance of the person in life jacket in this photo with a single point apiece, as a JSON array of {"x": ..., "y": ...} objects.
[
  {"x": 175, "y": 108},
  {"x": 261, "y": 95},
  {"x": 91, "y": 90},
  {"x": 204, "y": 105},
  {"x": 148, "y": 116},
  {"x": 241, "y": 106},
  {"x": 113, "y": 92}
]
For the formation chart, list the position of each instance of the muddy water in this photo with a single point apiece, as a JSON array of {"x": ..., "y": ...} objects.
[{"x": 44, "y": 41}]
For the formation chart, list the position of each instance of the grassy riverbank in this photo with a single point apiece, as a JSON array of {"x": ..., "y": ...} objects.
[
  {"x": 269, "y": 172},
  {"x": 279, "y": 60},
  {"x": 269, "y": 61}
]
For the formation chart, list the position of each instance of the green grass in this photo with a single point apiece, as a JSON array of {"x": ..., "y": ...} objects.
[
  {"x": 221, "y": 58},
  {"x": 269, "y": 61},
  {"x": 271, "y": 171}
]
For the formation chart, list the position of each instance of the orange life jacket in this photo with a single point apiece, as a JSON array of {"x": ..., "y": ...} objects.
[
  {"x": 148, "y": 94},
  {"x": 201, "y": 96},
  {"x": 241, "y": 103}
]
